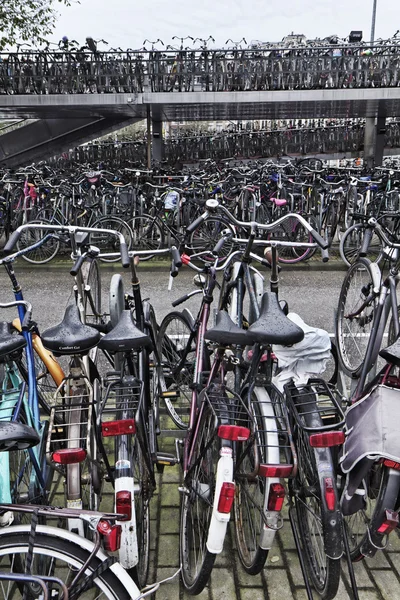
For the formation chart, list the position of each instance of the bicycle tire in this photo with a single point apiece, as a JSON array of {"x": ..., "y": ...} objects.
[
  {"x": 250, "y": 496},
  {"x": 46, "y": 252},
  {"x": 352, "y": 335},
  {"x": 92, "y": 280},
  {"x": 140, "y": 571},
  {"x": 205, "y": 237},
  {"x": 291, "y": 231},
  {"x": 109, "y": 243},
  {"x": 178, "y": 358},
  {"x": 312, "y": 514},
  {"x": 147, "y": 235},
  {"x": 351, "y": 243},
  {"x": 60, "y": 557},
  {"x": 197, "y": 505},
  {"x": 382, "y": 486}
]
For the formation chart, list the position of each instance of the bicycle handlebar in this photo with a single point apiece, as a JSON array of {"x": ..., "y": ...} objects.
[{"x": 28, "y": 311}]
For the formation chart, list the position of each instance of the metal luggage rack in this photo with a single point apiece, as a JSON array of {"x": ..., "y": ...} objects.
[
  {"x": 68, "y": 415},
  {"x": 121, "y": 399},
  {"x": 316, "y": 397},
  {"x": 227, "y": 406}
]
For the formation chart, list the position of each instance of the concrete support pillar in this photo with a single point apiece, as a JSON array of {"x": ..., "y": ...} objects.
[
  {"x": 158, "y": 142},
  {"x": 380, "y": 140},
  {"x": 369, "y": 141}
]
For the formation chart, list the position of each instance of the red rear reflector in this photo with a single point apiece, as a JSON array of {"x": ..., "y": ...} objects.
[
  {"x": 235, "y": 433},
  {"x": 68, "y": 456},
  {"x": 329, "y": 494},
  {"x": 391, "y": 464},
  {"x": 390, "y": 522},
  {"x": 111, "y": 535},
  {"x": 275, "y": 470},
  {"x": 327, "y": 439},
  {"x": 123, "y": 427},
  {"x": 226, "y": 497},
  {"x": 276, "y": 497},
  {"x": 123, "y": 504},
  {"x": 185, "y": 258}
]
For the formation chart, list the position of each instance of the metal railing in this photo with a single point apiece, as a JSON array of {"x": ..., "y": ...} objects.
[
  {"x": 304, "y": 68},
  {"x": 241, "y": 145}
]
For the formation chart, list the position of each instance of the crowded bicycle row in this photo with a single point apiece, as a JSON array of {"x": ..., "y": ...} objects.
[
  {"x": 153, "y": 209},
  {"x": 74, "y": 69},
  {"x": 253, "y": 396}
]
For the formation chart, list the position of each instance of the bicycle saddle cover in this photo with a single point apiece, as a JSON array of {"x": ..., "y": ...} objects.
[
  {"x": 16, "y": 436},
  {"x": 226, "y": 332},
  {"x": 125, "y": 336},
  {"x": 392, "y": 353},
  {"x": 70, "y": 336},
  {"x": 9, "y": 342},
  {"x": 273, "y": 326}
]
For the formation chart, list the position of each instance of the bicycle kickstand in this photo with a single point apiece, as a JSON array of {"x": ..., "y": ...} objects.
[{"x": 350, "y": 564}]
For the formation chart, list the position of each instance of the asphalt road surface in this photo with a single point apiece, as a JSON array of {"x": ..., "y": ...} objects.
[{"x": 312, "y": 290}]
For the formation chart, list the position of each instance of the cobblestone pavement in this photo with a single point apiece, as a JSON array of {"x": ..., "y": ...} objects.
[{"x": 281, "y": 578}]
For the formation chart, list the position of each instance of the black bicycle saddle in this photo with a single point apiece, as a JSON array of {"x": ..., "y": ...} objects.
[
  {"x": 392, "y": 353},
  {"x": 273, "y": 326},
  {"x": 226, "y": 332},
  {"x": 70, "y": 336},
  {"x": 125, "y": 336},
  {"x": 16, "y": 436},
  {"x": 9, "y": 342}
]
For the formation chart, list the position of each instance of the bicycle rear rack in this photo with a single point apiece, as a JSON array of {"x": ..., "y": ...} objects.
[{"x": 316, "y": 399}]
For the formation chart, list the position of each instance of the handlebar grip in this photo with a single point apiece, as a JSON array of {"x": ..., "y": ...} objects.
[
  {"x": 78, "y": 264},
  {"x": 8, "y": 248},
  {"x": 325, "y": 254},
  {"x": 27, "y": 320},
  {"x": 366, "y": 241},
  {"x": 190, "y": 228},
  {"x": 323, "y": 243},
  {"x": 180, "y": 300},
  {"x": 176, "y": 257},
  {"x": 125, "y": 260},
  {"x": 218, "y": 246},
  {"x": 174, "y": 269}
]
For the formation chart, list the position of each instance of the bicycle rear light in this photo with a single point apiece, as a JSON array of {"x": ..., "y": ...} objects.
[
  {"x": 235, "y": 433},
  {"x": 122, "y": 427},
  {"x": 327, "y": 439},
  {"x": 69, "y": 456},
  {"x": 226, "y": 497},
  {"x": 275, "y": 470},
  {"x": 123, "y": 504},
  {"x": 329, "y": 494},
  {"x": 389, "y": 523},
  {"x": 111, "y": 535},
  {"x": 276, "y": 497},
  {"x": 391, "y": 464}
]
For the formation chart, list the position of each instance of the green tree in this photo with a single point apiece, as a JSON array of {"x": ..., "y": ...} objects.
[{"x": 29, "y": 21}]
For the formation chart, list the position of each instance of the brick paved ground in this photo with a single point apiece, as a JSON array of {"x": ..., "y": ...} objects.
[{"x": 281, "y": 579}]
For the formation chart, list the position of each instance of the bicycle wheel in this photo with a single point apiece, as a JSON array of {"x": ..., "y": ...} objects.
[
  {"x": 250, "y": 496},
  {"x": 177, "y": 349},
  {"x": 351, "y": 243},
  {"x": 142, "y": 497},
  {"x": 46, "y": 252},
  {"x": 205, "y": 237},
  {"x": 58, "y": 557},
  {"x": 324, "y": 572},
  {"x": 147, "y": 235},
  {"x": 92, "y": 297},
  {"x": 197, "y": 505},
  {"x": 352, "y": 333},
  {"x": 291, "y": 231},
  {"x": 381, "y": 486},
  {"x": 110, "y": 243}
]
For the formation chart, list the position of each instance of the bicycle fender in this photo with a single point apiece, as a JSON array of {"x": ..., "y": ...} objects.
[
  {"x": 219, "y": 521},
  {"x": 332, "y": 522}
]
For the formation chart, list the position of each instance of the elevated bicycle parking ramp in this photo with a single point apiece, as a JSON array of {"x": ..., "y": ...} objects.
[{"x": 328, "y": 82}]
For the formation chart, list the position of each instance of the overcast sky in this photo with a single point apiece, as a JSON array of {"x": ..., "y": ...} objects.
[{"x": 126, "y": 23}]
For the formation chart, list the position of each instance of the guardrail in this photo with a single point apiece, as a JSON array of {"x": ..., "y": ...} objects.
[
  {"x": 241, "y": 145},
  {"x": 305, "y": 68}
]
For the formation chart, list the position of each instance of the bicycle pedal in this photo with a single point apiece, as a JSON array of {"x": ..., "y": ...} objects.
[{"x": 163, "y": 458}]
